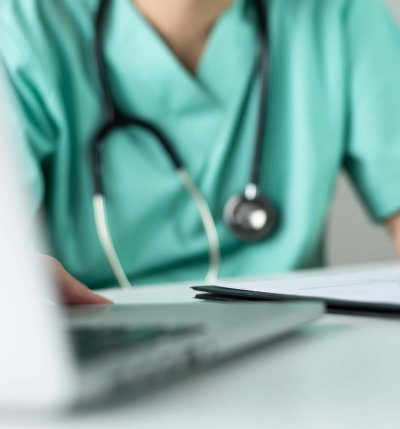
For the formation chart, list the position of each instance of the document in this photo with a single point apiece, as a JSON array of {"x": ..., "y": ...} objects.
[{"x": 378, "y": 287}]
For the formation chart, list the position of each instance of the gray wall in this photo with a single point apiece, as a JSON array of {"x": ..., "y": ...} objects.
[
  {"x": 395, "y": 7},
  {"x": 352, "y": 237}
]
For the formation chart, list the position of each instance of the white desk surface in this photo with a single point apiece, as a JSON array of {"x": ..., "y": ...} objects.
[{"x": 340, "y": 372}]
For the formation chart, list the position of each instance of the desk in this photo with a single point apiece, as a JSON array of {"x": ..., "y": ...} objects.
[{"x": 340, "y": 372}]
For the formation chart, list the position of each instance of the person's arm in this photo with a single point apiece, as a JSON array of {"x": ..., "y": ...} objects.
[
  {"x": 35, "y": 128},
  {"x": 393, "y": 225},
  {"x": 372, "y": 152}
]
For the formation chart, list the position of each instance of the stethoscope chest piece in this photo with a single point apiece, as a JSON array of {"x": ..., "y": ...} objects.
[{"x": 250, "y": 217}]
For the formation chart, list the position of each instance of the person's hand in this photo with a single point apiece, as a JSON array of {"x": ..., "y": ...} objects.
[
  {"x": 72, "y": 291},
  {"x": 393, "y": 224}
]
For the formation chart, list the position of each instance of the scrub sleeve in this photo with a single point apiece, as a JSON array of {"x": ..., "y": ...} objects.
[{"x": 373, "y": 153}]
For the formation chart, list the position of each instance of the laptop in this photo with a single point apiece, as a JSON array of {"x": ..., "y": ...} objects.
[{"x": 53, "y": 357}]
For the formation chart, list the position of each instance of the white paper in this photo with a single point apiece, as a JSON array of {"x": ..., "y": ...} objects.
[{"x": 380, "y": 285}]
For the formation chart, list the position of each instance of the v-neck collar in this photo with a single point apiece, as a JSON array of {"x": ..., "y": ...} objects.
[
  {"x": 226, "y": 63},
  {"x": 142, "y": 64}
]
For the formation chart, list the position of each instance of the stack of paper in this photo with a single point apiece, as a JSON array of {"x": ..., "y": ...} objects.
[{"x": 363, "y": 289}]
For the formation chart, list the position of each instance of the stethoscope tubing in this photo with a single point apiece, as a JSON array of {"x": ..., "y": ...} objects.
[
  {"x": 108, "y": 246},
  {"x": 264, "y": 84},
  {"x": 115, "y": 120}
]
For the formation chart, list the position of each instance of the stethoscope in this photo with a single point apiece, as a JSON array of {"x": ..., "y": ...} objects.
[{"x": 250, "y": 216}]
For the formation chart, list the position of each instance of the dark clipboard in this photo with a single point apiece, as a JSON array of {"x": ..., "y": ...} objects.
[{"x": 333, "y": 306}]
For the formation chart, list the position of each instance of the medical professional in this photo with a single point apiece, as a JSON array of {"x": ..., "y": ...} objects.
[{"x": 200, "y": 139}]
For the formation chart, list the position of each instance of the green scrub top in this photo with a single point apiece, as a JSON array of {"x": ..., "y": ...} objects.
[{"x": 334, "y": 100}]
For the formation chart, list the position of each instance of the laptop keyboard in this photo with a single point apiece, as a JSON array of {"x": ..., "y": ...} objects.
[{"x": 97, "y": 341}]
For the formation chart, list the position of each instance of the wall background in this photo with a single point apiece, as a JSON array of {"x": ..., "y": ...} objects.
[{"x": 352, "y": 237}]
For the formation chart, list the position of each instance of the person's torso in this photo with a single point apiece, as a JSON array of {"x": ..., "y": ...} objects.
[{"x": 211, "y": 119}]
